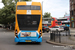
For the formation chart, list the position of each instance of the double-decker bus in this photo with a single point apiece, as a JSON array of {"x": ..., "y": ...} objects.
[
  {"x": 51, "y": 22},
  {"x": 55, "y": 22},
  {"x": 28, "y": 22},
  {"x": 58, "y": 23}
]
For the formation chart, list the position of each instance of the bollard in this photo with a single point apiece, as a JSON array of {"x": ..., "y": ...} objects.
[
  {"x": 66, "y": 32},
  {"x": 57, "y": 32},
  {"x": 51, "y": 36},
  {"x": 54, "y": 36},
  {"x": 59, "y": 37},
  {"x": 69, "y": 32},
  {"x": 50, "y": 31}
]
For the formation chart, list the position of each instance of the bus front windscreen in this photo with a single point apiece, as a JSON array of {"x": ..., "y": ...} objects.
[{"x": 28, "y": 22}]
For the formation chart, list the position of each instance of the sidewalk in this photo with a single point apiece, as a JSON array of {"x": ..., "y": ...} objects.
[
  {"x": 72, "y": 31},
  {"x": 65, "y": 40}
]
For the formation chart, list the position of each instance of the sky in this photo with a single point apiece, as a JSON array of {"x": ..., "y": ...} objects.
[{"x": 57, "y": 8}]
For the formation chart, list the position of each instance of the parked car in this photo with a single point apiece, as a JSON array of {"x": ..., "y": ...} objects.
[
  {"x": 45, "y": 29},
  {"x": 65, "y": 27},
  {"x": 56, "y": 28}
]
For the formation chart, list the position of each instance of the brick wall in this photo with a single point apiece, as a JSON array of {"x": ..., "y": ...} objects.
[{"x": 72, "y": 12}]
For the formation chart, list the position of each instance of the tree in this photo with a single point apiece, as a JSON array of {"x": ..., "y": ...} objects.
[
  {"x": 47, "y": 15},
  {"x": 7, "y": 2},
  {"x": 7, "y": 13}
]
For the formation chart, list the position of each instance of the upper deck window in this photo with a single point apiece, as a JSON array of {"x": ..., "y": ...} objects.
[{"x": 28, "y": 7}]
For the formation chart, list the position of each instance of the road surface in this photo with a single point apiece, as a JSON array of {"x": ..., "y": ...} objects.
[{"x": 7, "y": 43}]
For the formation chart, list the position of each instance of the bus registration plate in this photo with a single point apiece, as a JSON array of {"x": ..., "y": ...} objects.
[{"x": 28, "y": 40}]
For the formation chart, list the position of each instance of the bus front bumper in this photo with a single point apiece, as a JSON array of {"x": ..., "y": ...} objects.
[{"x": 25, "y": 39}]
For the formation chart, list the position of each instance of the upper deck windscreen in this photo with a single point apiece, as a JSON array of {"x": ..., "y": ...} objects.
[{"x": 28, "y": 7}]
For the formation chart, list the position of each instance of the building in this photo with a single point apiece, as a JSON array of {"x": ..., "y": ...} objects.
[
  {"x": 72, "y": 13},
  {"x": 67, "y": 16},
  {"x": 46, "y": 21}
]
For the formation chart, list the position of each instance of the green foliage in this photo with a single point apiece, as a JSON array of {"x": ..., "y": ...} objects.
[
  {"x": 47, "y": 15},
  {"x": 6, "y": 2},
  {"x": 7, "y": 13}
]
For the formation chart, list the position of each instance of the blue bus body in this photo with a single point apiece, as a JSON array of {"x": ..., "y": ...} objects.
[{"x": 23, "y": 39}]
